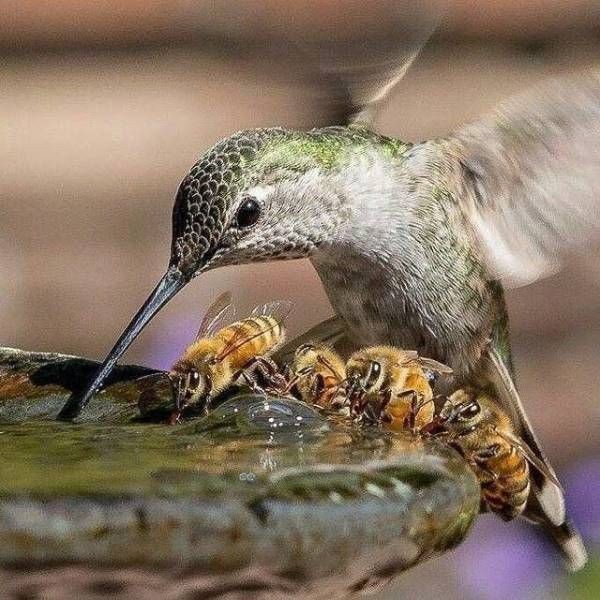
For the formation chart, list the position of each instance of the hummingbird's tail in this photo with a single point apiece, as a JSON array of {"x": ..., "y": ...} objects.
[
  {"x": 546, "y": 506},
  {"x": 569, "y": 542}
]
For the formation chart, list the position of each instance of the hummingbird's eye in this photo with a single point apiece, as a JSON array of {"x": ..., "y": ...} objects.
[{"x": 248, "y": 213}]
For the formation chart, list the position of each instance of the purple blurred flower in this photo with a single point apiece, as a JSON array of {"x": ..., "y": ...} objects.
[
  {"x": 582, "y": 489},
  {"x": 168, "y": 343},
  {"x": 509, "y": 560},
  {"x": 502, "y": 560}
]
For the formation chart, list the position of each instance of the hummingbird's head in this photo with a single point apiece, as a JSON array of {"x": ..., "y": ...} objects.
[{"x": 259, "y": 195}]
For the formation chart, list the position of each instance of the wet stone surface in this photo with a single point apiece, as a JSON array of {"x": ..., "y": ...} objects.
[{"x": 261, "y": 498}]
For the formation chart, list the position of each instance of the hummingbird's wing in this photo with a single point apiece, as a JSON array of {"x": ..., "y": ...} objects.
[
  {"x": 566, "y": 537},
  {"x": 361, "y": 59},
  {"x": 530, "y": 177}
]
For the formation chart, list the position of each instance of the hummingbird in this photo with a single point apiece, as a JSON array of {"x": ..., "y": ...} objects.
[{"x": 414, "y": 242}]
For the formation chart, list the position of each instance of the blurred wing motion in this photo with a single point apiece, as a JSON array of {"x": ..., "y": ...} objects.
[
  {"x": 531, "y": 176},
  {"x": 547, "y": 506},
  {"x": 218, "y": 313},
  {"x": 363, "y": 59}
]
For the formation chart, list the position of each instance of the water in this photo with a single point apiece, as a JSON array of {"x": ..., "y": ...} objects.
[
  {"x": 261, "y": 493},
  {"x": 240, "y": 442}
]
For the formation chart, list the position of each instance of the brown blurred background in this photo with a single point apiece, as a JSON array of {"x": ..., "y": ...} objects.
[{"x": 105, "y": 105}]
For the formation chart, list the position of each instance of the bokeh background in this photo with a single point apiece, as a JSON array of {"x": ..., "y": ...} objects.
[{"x": 105, "y": 105}]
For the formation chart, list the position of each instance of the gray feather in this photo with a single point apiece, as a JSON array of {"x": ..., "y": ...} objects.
[
  {"x": 531, "y": 174},
  {"x": 569, "y": 541}
]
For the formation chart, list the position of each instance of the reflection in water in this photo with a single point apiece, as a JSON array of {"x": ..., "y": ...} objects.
[{"x": 244, "y": 438}]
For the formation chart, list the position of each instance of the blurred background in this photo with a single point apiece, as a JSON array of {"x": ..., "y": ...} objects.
[{"x": 105, "y": 106}]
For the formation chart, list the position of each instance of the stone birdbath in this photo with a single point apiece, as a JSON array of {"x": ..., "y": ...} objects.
[{"x": 262, "y": 498}]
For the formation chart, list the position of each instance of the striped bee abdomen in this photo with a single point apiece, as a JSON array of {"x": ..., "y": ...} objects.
[
  {"x": 507, "y": 493},
  {"x": 255, "y": 336}
]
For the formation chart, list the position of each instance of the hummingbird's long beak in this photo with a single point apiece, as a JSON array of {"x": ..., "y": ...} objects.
[{"x": 168, "y": 286}]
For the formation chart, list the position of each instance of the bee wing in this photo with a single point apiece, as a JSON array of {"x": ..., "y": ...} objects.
[
  {"x": 434, "y": 365},
  {"x": 408, "y": 357},
  {"x": 219, "y": 312},
  {"x": 550, "y": 497},
  {"x": 412, "y": 357},
  {"x": 531, "y": 457},
  {"x": 328, "y": 332},
  {"x": 279, "y": 309}
]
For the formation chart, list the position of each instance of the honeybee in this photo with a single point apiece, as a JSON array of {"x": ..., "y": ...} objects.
[
  {"x": 483, "y": 433},
  {"x": 512, "y": 476},
  {"x": 220, "y": 356},
  {"x": 318, "y": 373},
  {"x": 393, "y": 386}
]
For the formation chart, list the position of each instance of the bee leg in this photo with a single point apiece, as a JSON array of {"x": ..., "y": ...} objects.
[
  {"x": 339, "y": 403},
  {"x": 292, "y": 379},
  {"x": 374, "y": 413},
  {"x": 266, "y": 370},
  {"x": 288, "y": 373},
  {"x": 248, "y": 375},
  {"x": 250, "y": 379},
  {"x": 481, "y": 457},
  {"x": 269, "y": 371},
  {"x": 410, "y": 421},
  {"x": 317, "y": 386},
  {"x": 386, "y": 398},
  {"x": 175, "y": 416}
]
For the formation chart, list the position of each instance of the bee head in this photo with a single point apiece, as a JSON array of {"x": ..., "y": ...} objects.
[
  {"x": 364, "y": 379},
  {"x": 192, "y": 387},
  {"x": 461, "y": 416},
  {"x": 369, "y": 376}
]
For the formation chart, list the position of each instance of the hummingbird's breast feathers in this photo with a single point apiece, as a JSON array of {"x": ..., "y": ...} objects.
[{"x": 404, "y": 269}]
